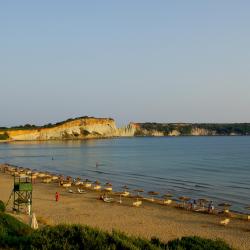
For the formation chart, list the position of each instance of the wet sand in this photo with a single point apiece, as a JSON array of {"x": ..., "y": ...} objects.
[{"x": 149, "y": 220}]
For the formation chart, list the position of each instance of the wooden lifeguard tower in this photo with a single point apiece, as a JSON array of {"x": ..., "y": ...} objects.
[{"x": 22, "y": 193}]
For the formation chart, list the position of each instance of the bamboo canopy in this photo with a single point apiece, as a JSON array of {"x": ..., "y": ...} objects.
[
  {"x": 168, "y": 195},
  {"x": 153, "y": 193},
  {"x": 225, "y": 204}
]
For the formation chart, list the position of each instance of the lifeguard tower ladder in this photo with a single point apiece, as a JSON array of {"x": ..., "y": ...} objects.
[{"x": 22, "y": 193}]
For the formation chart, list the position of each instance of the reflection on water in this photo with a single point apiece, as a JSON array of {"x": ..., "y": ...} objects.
[{"x": 215, "y": 168}]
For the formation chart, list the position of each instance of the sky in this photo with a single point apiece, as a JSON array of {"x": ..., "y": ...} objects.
[{"x": 133, "y": 60}]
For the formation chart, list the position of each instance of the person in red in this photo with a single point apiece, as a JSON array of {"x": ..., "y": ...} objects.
[{"x": 57, "y": 196}]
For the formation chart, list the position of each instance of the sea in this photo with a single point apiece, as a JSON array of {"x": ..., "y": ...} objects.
[{"x": 216, "y": 168}]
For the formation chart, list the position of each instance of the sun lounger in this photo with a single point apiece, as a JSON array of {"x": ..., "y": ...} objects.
[
  {"x": 81, "y": 191},
  {"x": 125, "y": 194},
  {"x": 77, "y": 183},
  {"x": 66, "y": 184},
  {"x": 167, "y": 202},
  {"x": 224, "y": 222},
  {"x": 97, "y": 187},
  {"x": 106, "y": 199},
  {"x": 137, "y": 203},
  {"x": 47, "y": 180}
]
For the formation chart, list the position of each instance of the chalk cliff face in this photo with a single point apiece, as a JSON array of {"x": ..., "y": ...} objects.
[
  {"x": 88, "y": 127},
  {"x": 127, "y": 131},
  {"x": 76, "y": 129},
  {"x": 202, "y": 131}
]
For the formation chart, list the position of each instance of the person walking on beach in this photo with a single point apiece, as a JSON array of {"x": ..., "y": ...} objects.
[{"x": 57, "y": 196}]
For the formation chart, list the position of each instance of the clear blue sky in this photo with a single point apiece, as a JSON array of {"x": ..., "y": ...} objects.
[{"x": 133, "y": 60}]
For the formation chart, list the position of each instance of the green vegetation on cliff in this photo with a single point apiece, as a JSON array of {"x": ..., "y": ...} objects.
[
  {"x": 4, "y": 136},
  {"x": 49, "y": 125},
  {"x": 16, "y": 235}
]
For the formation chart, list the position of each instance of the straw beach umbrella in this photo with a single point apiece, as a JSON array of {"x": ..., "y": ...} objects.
[
  {"x": 108, "y": 187},
  {"x": 138, "y": 193},
  {"x": 184, "y": 199},
  {"x": 97, "y": 185},
  {"x": 202, "y": 202},
  {"x": 167, "y": 198},
  {"x": 225, "y": 206},
  {"x": 125, "y": 190},
  {"x": 120, "y": 195},
  {"x": 87, "y": 183},
  {"x": 152, "y": 194}
]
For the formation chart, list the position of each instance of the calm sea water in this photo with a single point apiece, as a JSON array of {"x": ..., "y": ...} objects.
[{"x": 216, "y": 168}]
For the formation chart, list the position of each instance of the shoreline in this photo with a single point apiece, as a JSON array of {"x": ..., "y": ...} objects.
[
  {"x": 121, "y": 137},
  {"x": 175, "y": 198},
  {"x": 151, "y": 219}
]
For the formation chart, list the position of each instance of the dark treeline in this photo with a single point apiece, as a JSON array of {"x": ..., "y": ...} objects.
[
  {"x": 49, "y": 125},
  {"x": 186, "y": 128}
]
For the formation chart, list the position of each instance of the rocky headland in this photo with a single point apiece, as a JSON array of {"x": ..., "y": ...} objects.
[{"x": 90, "y": 128}]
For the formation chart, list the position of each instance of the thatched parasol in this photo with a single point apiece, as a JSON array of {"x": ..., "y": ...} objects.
[
  {"x": 69, "y": 178},
  {"x": 125, "y": 187},
  {"x": 184, "y": 199},
  {"x": 97, "y": 185},
  {"x": 225, "y": 206},
  {"x": 120, "y": 195},
  {"x": 152, "y": 194},
  {"x": 108, "y": 187},
  {"x": 167, "y": 196},
  {"x": 202, "y": 202},
  {"x": 138, "y": 193}
]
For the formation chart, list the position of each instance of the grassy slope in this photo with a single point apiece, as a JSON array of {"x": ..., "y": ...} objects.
[{"x": 16, "y": 235}]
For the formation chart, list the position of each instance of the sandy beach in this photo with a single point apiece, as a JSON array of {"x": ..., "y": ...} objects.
[{"x": 149, "y": 220}]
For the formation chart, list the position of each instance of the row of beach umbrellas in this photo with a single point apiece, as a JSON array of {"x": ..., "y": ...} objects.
[{"x": 108, "y": 187}]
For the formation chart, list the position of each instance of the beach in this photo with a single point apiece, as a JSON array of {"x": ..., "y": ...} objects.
[{"x": 149, "y": 220}]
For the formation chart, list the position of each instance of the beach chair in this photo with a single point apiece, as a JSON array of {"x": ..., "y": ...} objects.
[
  {"x": 167, "y": 202},
  {"x": 125, "y": 194},
  {"x": 224, "y": 222},
  {"x": 81, "y": 191},
  {"x": 66, "y": 184},
  {"x": 106, "y": 199},
  {"x": 137, "y": 203}
]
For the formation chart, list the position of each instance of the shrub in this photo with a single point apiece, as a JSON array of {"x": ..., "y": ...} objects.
[
  {"x": 4, "y": 136},
  {"x": 2, "y": 206},
  {"x": 197, "y": 243},
  {"x": 16, "y": 235}
]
